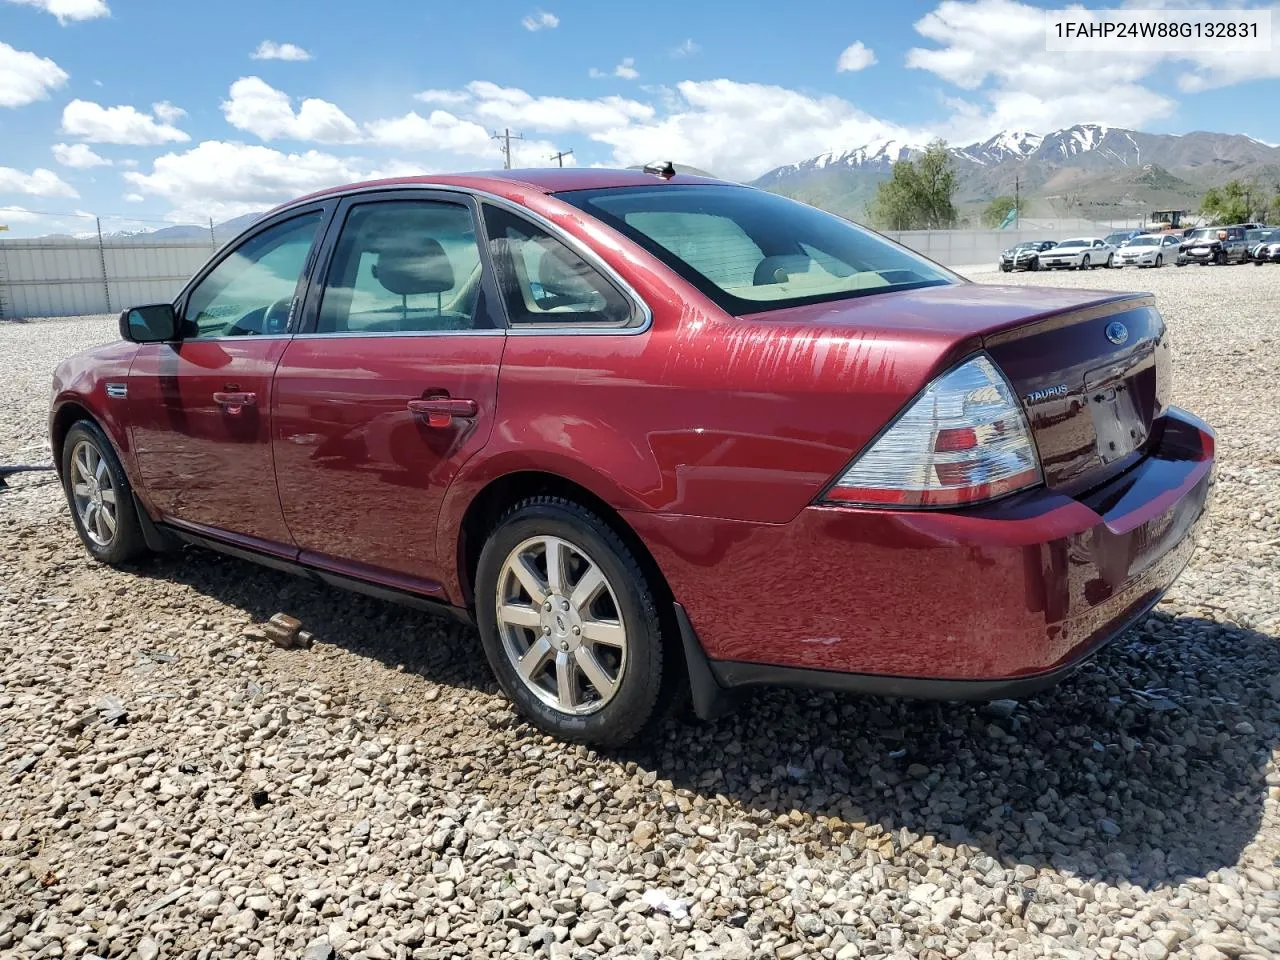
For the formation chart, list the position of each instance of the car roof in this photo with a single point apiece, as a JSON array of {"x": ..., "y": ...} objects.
[{"x": 506, "y": 182}]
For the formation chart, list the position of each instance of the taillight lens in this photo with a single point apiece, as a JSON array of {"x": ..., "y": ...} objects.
[{"x": 964, "y": 440}]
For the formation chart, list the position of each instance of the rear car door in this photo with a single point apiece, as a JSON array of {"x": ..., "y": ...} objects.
[
  {"x": 389, "y": 387},
  {"x": 200, "y": 405}
]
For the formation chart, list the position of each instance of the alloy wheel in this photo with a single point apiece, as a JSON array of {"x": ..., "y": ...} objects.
[
  {"x": 94, "y": 493},
  {"x": 560, "y": 625}
]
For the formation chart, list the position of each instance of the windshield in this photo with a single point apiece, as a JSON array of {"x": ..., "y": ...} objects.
[
  {"x": 1118, "y": 238},
  {"x": 1209, "y": 233},
  {"x": 1144, "y": 241},
  {"x": 1031, "y": 245},
  {"x": 749, "y": 250},
  {"x": 1075, "y": 243}
]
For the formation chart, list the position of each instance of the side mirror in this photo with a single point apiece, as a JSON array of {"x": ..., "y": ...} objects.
[{"x": 155, "y": 323}]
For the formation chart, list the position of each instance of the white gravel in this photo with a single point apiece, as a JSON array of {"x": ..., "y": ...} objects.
[{"x": 404, "y": 811}]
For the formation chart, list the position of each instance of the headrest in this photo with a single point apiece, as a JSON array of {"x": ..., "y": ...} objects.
[
  {"x": 559, "y": 274},
  {"x": 415, "y": 266},
  {"x": 779, "y": 268}
]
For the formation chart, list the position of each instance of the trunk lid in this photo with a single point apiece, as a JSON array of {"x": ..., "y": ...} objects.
[
  {"x": 1091, "y": 403},
  {"x": 1092, "y": 383}
]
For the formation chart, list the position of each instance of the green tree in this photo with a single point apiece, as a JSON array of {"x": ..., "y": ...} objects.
[
  {"x": 996, "y": 211},
  {"x": 919, "y": 194},
  {"x": 1229, "y": 203}
]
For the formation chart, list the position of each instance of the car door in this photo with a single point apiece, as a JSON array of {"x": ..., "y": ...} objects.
[
  {"x": 200, "y": 406},
  {"x": 389, "y": 387}
]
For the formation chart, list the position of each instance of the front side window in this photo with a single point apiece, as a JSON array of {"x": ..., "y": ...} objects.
[
  {"x": 251, "y": 291},
  {"x": 749, "y": 250},
  {"x": 544, "y": 283},
  {"x": 403, "y": 266}
]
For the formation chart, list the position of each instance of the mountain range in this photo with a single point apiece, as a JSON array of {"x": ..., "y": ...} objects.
[{"x": 1086, "y": 170}]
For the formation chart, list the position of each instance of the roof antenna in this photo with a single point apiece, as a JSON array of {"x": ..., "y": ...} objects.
[{"x": 666, "y": 170}]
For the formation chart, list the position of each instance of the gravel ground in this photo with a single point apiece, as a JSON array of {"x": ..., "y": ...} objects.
[{"x": 374, "y": 796}]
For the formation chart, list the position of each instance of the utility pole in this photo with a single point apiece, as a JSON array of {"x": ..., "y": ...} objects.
[
  {"x": 213, "y": 240},
  {"x": 506, "y": 137},
  {"x": 102, "y": 259},
  {"x": 1017, "y": 203},
  {"x": 560, "y": 155}
]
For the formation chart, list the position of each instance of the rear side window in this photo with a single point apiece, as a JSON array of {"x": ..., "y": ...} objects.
[
  {"x": 545, "y": 283},
  {"x": 403, "y": 266}
]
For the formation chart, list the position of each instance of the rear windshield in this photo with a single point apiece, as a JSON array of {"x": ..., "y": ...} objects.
[{"x": 749, "y": 250}]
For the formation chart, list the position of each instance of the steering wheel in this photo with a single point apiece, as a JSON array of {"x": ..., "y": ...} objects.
[{"x": 276, "y": 319}]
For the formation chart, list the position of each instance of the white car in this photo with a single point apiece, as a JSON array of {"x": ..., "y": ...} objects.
[
  {"x": 1082, "y": 253},
  {"x": 1150, "y": 250}
]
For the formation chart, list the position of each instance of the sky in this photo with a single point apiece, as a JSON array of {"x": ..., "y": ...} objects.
[{"x": 150, "y": 112}]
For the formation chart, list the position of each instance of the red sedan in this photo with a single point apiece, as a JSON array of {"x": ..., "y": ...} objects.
[{"x": 650, "y": 431}]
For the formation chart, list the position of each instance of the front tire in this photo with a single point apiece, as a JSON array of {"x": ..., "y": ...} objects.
[
  {"x": 569, "y": 623},
  {"x": 1084, "y": 263},
  {"x": 1159, "y": 260},
  {"x": 99, "y": 495}
]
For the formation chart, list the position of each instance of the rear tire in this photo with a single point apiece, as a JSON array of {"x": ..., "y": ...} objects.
[
  {"x": 580, "y": 652},
  {"x": 99, "y": 495}
]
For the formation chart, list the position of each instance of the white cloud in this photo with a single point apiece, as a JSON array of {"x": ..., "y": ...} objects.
[
  {"x": 686, "y": 48},
  {"x": 134, "y": 198},
  {"x": 855, "y": 57},
  {"x": 270, "y": 50},
  {"x": 540, "y": 20},
  {"x": 258, "y": 108},
  {"x": 167, "y": 112},
  {"x": 66, "y": 10},
  {"x": 740, "y": 130},
  {"x": 440, "y": 130},
  {"x": 124, "y": 124},
  {"x": 38, "y": 183},
  {"x": 78, "y": 156},
  {"x": 9, "y": 215},
  {"x": 511, "y": 105},
  {"x": 996, "y": 48},
  {"x": 626, "y": 69},
  {"x": 446, "y": 97},
  {"x": 220, "y": 179},
  {"x": 26, "y": 77}
]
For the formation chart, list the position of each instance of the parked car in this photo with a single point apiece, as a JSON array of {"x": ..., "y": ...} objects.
[
  {"x": 1121, "y": 237},
  {"x": 1025, "y": 255},
  {"x": 1220, "y": 245},
  {"x": 1266, "y": 247},
  {"x": 1083, "y": 253},
  {"x": 1260, "y": 243},
  {"x": 651, "y": 432},
  {"x": 1148, "y": 251}
]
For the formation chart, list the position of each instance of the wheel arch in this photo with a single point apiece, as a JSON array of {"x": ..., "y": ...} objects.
[
  {"x": 501, "y": 493},
  {"x": 64, "y": 418}
]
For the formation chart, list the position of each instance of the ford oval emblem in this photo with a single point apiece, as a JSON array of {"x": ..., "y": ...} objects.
[{"x": 1117, "y": 332}]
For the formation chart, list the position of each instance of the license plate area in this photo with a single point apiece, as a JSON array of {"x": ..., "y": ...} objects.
[{"x": 1121, "y": 400}]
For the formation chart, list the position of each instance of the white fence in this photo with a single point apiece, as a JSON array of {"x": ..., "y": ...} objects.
[{"x": 66, "y": 278}]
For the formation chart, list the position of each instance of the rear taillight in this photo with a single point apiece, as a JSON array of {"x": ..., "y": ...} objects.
[{"x": 962, "y": 441}]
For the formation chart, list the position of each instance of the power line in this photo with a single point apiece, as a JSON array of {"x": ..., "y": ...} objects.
[{"x": 89, "y": 216}]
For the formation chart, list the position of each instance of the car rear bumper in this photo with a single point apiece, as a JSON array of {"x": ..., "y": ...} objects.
[{"x": 994, "y": 600}]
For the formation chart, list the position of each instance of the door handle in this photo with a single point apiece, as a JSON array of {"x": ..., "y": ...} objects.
[
  {"x": 442, "y": 411},
  {"x": 234, "y": 401}
]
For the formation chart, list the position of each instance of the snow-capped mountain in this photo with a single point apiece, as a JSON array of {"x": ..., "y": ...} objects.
[{"x": 1101, "y": 163}]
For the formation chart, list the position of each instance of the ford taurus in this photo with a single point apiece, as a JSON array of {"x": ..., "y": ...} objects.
[{"x": 658, "y": 435}]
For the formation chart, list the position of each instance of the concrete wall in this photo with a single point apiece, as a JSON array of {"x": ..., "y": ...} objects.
[{"x": 63, "y": 278}]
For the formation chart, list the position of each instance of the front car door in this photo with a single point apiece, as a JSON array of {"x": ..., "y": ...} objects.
[
  {"x": 200, "y": 405},
  {"x": 389, "y": 387}
]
